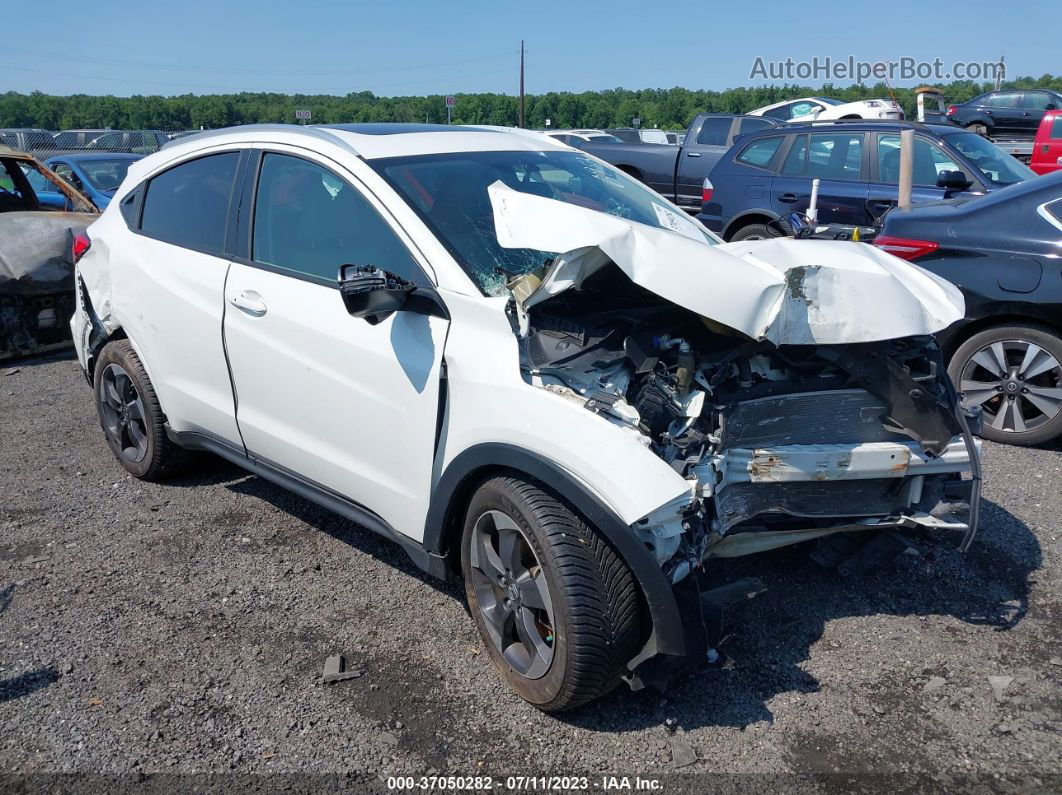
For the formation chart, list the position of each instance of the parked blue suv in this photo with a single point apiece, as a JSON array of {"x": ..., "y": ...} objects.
[{"x": 767, "y": 175}]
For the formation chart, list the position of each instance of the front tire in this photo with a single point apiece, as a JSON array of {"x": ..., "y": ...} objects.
[
  {"x": 130, "y": 415},
  {"x": 1015, "y": 374},
  {"x": 557, "y": 608}
]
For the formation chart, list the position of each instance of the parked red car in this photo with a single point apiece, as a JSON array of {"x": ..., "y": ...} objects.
[{"x": 1047, "y": 149}]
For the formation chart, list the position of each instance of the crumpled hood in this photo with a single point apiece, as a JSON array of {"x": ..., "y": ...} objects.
[{"x": 789, "y": 292}]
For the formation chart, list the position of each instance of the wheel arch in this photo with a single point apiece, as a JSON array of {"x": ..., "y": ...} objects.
[
  {"x": 632, "y": 171},
  {"x": 475, "y": 465},
  {"x": 747, "y": 218},
  {"x": 976, "y": 326}
]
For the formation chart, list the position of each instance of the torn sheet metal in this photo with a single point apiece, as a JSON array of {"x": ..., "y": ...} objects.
[{"x": 792, "y": 292}]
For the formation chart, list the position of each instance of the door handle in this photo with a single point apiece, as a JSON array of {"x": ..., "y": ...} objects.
[
  {"x": 788, "y": 198},
  {"x": 693, "y": 154},
  {"x": 250, "y": 302}
]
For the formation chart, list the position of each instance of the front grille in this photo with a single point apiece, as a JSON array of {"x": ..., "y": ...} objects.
[{"x": 739, "y": 502}]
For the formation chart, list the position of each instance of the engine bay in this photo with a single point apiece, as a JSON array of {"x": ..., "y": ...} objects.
[{"x": 774, "y": 438}]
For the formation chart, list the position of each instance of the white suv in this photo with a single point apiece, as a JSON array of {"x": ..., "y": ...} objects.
[{"x": 521, "y": 365}]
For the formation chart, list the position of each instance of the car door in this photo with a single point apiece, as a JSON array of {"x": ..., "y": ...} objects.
[
  {"x": 1005, "y": 111},
  {"x": 930, "y": 159},
  {"x": 1034, "y": 104},
  {"x": 48, "y": 195},
  {"x": 699, "y": 156},
  {"x": 837, "y": 160},
  {"x": 66, "y": 171},
  {"x": 345, "y": 405},
  {"x": 169, "y": 279}
]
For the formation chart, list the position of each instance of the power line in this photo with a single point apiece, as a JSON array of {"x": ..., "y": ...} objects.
[
  {"x": 336, "y": 90},
  {"x": 190, "y": 67}
]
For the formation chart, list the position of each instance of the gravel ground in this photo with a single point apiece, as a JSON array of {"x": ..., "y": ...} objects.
[{"x": 181, "y": 628}]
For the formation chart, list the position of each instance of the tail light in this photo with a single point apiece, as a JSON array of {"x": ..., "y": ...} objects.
[
  {"x": 905, "y": 248},
  {"x": 952, "y": 109},
  {"x": 707, "y": 189},
  {"x": 82, "y": 244}
]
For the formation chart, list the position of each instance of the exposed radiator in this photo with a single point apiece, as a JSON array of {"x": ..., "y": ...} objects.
[{"x": 831, "y": 417}]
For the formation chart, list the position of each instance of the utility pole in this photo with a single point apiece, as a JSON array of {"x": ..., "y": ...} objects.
[{"x": 521, "y": 84}]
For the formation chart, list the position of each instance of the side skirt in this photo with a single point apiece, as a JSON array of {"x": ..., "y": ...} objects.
[{"x": 314, "y": 492}]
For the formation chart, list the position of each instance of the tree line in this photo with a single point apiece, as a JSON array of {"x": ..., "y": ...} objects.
[{"x": 670, "y": 108}]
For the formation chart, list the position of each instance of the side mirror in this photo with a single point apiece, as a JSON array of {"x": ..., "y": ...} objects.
[
  {"x": 376, "y": 294},
  {"x": 952, "y": 180}
]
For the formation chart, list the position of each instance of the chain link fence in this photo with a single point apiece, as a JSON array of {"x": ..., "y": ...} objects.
[{"x": 44, "y": 144}]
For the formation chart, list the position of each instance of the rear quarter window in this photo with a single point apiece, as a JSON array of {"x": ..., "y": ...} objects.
[{"x": 759, "y": 153}]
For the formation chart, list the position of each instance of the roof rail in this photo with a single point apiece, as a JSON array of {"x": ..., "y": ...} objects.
[
  {"x": 321, "y": 133},
  {"x": 894, "y": 122}
]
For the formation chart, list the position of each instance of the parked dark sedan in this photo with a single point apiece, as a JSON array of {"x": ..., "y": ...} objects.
[
  {"x": 768, "y": 174},
  {"x": 1003, "y": 252},
  {"x": 1005, "y": 112}
]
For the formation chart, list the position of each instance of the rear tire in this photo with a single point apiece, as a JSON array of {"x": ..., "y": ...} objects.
[
  {"x": 591, "y": 626},
  {"x": 1015, "y": 374},
  {"x": 131, "y": 417},
  {"x": 751, "y": 232}
]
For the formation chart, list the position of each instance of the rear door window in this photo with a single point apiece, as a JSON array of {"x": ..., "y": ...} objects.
[
  {"x": 714, "y": 131},
  {"x": 1004, "y": 99},
  {"x": 188, "y": 204},
  {"x": 760, "y": 153},
  {"x": 310, "y": 221},
  {"x": 836, "y": 156}
]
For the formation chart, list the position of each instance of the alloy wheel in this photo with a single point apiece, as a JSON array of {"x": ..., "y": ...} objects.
[
  {"x": 512, "y": 594},
  {"x": 123, "y": 413},
  {"x": 1016, "y": 382}
]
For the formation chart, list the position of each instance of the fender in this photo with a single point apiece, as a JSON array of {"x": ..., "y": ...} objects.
[{"x": 448, "y": 501}]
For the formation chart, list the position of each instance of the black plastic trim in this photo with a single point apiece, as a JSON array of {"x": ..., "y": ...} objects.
[
  {"x": 314, "y": 492},
  {"x": 667, "y": 637}
]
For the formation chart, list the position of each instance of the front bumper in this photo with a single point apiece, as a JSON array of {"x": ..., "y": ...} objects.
[{"x": 830, "y": 462}]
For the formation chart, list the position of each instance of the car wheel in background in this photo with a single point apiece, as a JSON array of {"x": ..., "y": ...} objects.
[
  {"x": 752, "y": 232},
  {"x": 555, "y": 605},
  {"x": 978, "y": 128},
  {"x": 1015, "y": 374},
  {"x": 129, "y": 412}
]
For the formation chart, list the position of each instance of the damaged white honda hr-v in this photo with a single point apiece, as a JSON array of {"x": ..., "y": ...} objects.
[{"x": 525, "y": 368}]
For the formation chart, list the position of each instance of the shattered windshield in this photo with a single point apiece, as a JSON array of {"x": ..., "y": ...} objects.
[{"x": 449, "y": 192}]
